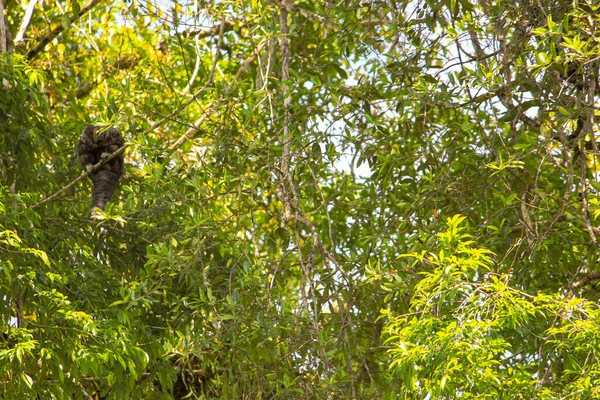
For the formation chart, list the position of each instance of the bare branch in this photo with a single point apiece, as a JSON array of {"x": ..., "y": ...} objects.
[
  {"x": 225, "y": 26},
  {"x": 25, "y": 22},
  {"x": 246, "y": 64},
  {"x": 585, "y": 124},
  {"x": 287, "y": 100},
  {"x": 191, "y": 131},
  {"x": 587, "y": 279}
]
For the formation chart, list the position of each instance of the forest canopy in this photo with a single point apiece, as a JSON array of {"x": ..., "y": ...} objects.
[{"x": 320, "y": 200}]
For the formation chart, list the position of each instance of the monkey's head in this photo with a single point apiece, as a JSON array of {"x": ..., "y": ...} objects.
[
  {"x": 99, "y": 134},
  {"x": 90, "y": 131}
]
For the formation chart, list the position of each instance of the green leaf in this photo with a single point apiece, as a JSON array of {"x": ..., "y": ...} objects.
[{"x": 65, "y": 21}]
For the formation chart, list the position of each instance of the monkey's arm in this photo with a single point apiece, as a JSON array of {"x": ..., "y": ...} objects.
[{"x": 112, "y": 140}]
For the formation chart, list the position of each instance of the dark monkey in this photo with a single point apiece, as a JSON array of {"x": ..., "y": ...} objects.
[{"x": 94, "y": 146}]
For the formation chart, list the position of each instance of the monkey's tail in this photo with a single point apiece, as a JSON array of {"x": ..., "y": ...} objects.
[{"x": 104, "y": 184}]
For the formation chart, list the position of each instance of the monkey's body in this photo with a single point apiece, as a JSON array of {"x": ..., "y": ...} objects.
[{"x": 93, "y": 147}]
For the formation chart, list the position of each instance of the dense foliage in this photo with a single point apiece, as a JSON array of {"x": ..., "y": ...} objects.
[{"x": 321, "y": 200}]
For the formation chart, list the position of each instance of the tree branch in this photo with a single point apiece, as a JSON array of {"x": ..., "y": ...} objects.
[
  {"x": 190, "y": 132},
  {"x": 25, "y": 22},
  {"x": 586, "y": 280},
  {"x": 58, "y": 30},
  {"x": 287, "y": 99},
  {"x": 85, "y": 174},
  {"x": 224, "y": 26},
  {"x": 246, "y": 64}
]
